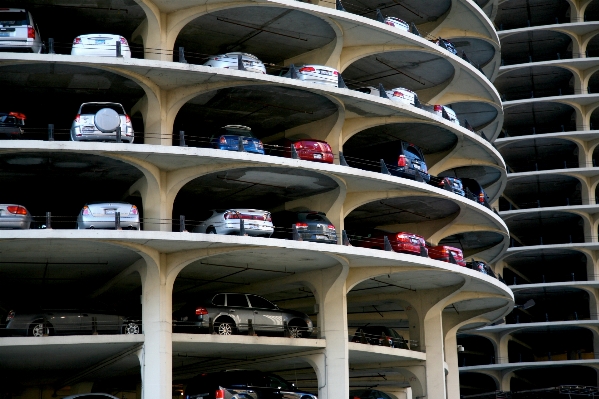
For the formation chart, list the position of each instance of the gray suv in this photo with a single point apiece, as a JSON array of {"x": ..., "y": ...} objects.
[{"x": 231, "y": 312}]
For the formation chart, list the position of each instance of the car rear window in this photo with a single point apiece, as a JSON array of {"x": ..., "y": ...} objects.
[
  {"x": 315, "y": 217},
  {"x": 412, "y": 153},
  {"x": 93, "y": 108},
  {"x": 13, "y": 18},
  {"x": 237, "y": 132},
  {"x": 10, "y": 120},
  {"x": 238, "y": 300}
]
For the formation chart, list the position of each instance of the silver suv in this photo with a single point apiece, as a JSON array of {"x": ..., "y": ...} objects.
[
  {"x": 18, "y": 32},
  {"x": 92, "y": 119}
]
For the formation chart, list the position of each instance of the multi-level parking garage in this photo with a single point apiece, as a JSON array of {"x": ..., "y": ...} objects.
[
  {"x": 159, "y": 269},
  {"x": 548, "y": 83}
]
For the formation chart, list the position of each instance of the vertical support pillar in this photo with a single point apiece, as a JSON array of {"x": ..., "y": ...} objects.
[
  {"x": 435, "y": 371},
  {"x": 451, "y": 358}
]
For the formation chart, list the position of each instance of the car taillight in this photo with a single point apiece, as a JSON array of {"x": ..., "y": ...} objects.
[
  {"x": 438, "y": 108},
  {"x": 402, "y": 237},
  {"x": 77, "y": 40},
  {"x": 298, "y": 145},
  {"x": 397, "y": 94},
  {"x": 335, "y": 73},
  {"x": 307, "y": 69},
  {"x": 123, "y": 40},
  {"x": 134, "y": 210},
  {"x": 481, "y": 197},
  {"x": 219, "y": 394},
  {"x": 17, "y": 210},
  {"x": 127, "y": 119},
  {"x": 301, "y": 225},
  {"x": 231, "y": 215},
  {"x": 86, "y": 211},
  {"x": 389, "y": 23},
  {"x": 201, "y": 311},
  {"x": 260, "y": 145},
  {"x": 331, "y": 227},
  {"x": 223, "y": 140},
  {"x": 77, "y": 118},
  {"x": 10, "y": 316},
  {"x": 30, "y": 32},
  {"x": 401, "y": 161}
]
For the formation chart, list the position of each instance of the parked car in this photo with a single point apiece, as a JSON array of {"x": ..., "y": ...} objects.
[
  {"x": 446, "y": 44},
  {"x": 230, "y": 313},
  {"x": 18, "y": 31},
  {"x": 369, "y": 90},
  {"x": 452, "y": 184},
  {"x": 366, "y": 394},
  {"x": 246, "y": 384},
  {"x": 69, "y": 322},
  {"x": 101, "y": 215},
  {"x": 229, "y": 136},
  {"x": 397, "y": 23},
  {"x": 251, "y": 63},
  {"x": 312, "y": 226},
  {"x": 403, "y": 96},
  {"x": 410, "y": 163},
  {"x": 374, "y": 336},
  {"x": 318, "y": 74},
  {"x": 475, "y": 192},
  {"x": 93, "y": 119},
  {"x": 407, "y": 243},
  {"x": 441, "y": 252},
  {"x": 11, "y": 125},
  {"x": 227, "y": 221},
  {"x": 100, "y": 45},
  {"x": 310, "y": 150},
  {"x": 91, "y": 395},
  {"x": 451, "y": 115},
  {"x": 14, "y": 217},
  {"x": 481, "y": 267}
]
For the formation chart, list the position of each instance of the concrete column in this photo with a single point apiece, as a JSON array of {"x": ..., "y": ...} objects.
[
  {"x": 451, "y": 358},
  {"x": 157, "y": 351},
  {"x": 435, "y": 370}
]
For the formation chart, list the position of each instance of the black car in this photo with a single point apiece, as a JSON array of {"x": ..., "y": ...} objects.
[
  {"x": 452, "y": 184},
  {"x": 374, "y": 336},
  {"x": 250, "y": 384},
  {"x": 481, "y": 267},
  {"x": 475, "y": 192},
  {"x": 410, "y": 163},
  {"x": 310, "y": 225},
  {"x": 367, "y": 394},
  {"x": 11, "y": 125}
]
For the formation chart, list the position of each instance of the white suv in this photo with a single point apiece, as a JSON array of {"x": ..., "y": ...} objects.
[
  {"x": 85, "y": 126},
  {"x": 402, "y": 95},
  {"x": 452, "y": 117},
  {"x": 18, "y": 32}
]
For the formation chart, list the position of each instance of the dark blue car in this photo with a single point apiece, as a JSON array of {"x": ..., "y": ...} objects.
[{"x": 229, "y": 139}]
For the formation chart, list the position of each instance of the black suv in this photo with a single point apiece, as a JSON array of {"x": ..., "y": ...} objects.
[
  {"x": 475, "y": 192},
  {"x": 311, "y": 226},
  {"x": 11, "y": 125},
  {"x": 374, "y": 336},
  {"x": 452, "y": 184},
  {"x": 250, "y": 384},
  {"x": 410, "y": 163},
  {"x": 481, "y": 267}
]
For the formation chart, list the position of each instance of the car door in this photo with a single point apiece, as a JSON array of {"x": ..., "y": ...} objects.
[
  {"x": 267, "y": 316},
  {"x": 105, "y": 322},
  {"x": 239, "y": 310},
  {"x": 64, "y": 321}
]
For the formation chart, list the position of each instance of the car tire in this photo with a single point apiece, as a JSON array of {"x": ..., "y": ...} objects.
[
  {"x": 224, "y": 328},
  {"x": 131, "y": 328},
  {"x": 297, "y": 330},
  {"x": 37, "y": 329},
  {"x": 210, "y": 230}
]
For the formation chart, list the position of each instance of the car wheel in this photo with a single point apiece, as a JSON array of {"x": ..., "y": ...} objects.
[
  {"x": 225, "y": 328},
  {"x": 131, "y": 327},
  {"x": 297, "y": 330},
  {"x": 210, "y": 230},
  {"x": 37, "y": 329}
]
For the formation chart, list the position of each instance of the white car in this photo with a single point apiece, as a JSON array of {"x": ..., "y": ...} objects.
[
  {"x": 14, "y": 216},
  {"x": 318, "y": 74},
  {"x": 18, "y": 32},
  {"x": 251, "y": 63},
  {"x": 100, "y": 45},
  {"x": 101, "y": 215},
  {"x": 438, "y": 109},
  {"x": 87, "y": 123},
  {"x": 256, "y": 223},
  {"x": 397, "y": 23},
  {"x": 403, "y": 96}
]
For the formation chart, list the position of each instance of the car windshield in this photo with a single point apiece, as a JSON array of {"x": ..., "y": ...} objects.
[
  {"x": 89, "y": 109},
  {"x": 14, "y": 18}
]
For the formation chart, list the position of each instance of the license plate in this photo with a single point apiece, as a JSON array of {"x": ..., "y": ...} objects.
[
  {"x": 321, "y": 237},
  {"x": 88, "y": 128},
  {"x": 324, "y": 72},
  {"x": 109, "y": 211},
  {"x": 317, "y": 156},
  {"x": 100, "y": 41},
  {"x": 4, "y": 34},
  {"x": 252, "y": 226},
  {"x": 416, "y": 166}
]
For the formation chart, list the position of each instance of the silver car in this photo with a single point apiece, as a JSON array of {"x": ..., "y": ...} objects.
[
  {"x": 231, "y": 312},
  {"x": 319, "y": 74},
  {"x": 251, "y": 63},
  {"x": 18, "y": 32},
  {"x": 101, "y": 215},
  {"x": 14, "y": 216},
  {"x": 68, "y": 322},
  {"x": 257, "y": 223},
  {"x": 90, "y": 123}
]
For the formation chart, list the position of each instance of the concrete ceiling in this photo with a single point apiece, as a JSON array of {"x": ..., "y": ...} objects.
[
  {"x": 472, "y": 242},
  {"x": 553, "y": 227},
  {"x": 540, "y": 81},
  {"x": 542, "y": 45},
  {"x": 546, "y": 153},
  {"x": 484, "y": 175},
  {"x": 478, "y": 114},
  {"x": 547, "y": 117},
  {"x": 478, "y": 51},
  {"x": 551, "y": 190},
  {"x": 415, "y": 11},
  {"x": 515, "y": 14}
]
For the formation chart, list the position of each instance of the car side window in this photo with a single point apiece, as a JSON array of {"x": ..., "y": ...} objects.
[
  {"x": 237, "y": 300},
  {"x": 259, "y": 302},
  {"x": 219, "y": 300}
]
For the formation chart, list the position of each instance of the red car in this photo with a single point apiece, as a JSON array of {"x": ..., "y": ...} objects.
[
  {"x": 310, "y": 150},
  {"x": 441, "y": 252},
  {"x": 407, "y": 243}
]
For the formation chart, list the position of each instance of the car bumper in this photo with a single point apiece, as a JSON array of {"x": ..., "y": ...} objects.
[
  {"x": 14, "y": 223},
  {"x": 316, "y": 157},
  {"x": 322, "y": 238},
  {"x": 99, "y": 52},
  {"x": 107, "y": 223},
  {"x": 247, "y": 149},
  {"x": 250, "y": 229},
  {"x": 409, "y": 174},
  {"x": 334, "y": 82},
  {"x": 24, "y": 45},
  {"x": 96, "y": 135}
]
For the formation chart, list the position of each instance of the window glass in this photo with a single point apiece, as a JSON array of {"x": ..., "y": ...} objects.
[
  {"x": 315, "y": 217},
  {"x": 219, "y": 300},
  {"x": 93, "y": 108},
  {"x": 259, "y": 302},
  {"x": 412, "y": 153},
  {"x": 13, "y": 18},
  {"x": 276, "y": 382},
  {"x": 238, "y": 300}
]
